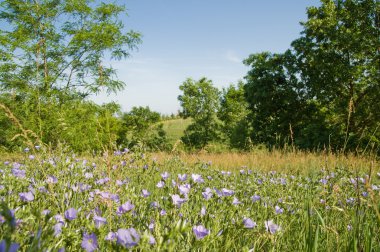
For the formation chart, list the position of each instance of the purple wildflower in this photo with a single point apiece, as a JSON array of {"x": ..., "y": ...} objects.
[
  {"x": 177, "y": 200},
  {"x": 58, "y": 229},
  {"x": 255, "y": 198},
  {"x": 174, "y": 183},
  {"x": 182, "y": 177},
  {"x": 88, "y": 175},
  {"x": 160, "y": 184},
  {"x": 323, "y": 181},
  {"x": 226, "y": 192},
  {"x": 283, "y": 181},
  {"x": 162, "y": 212},
  {"x": 51, "y": 180},
  {"x": 145, "y": 193},
  {"x": 99, "y": 221},
  {"x": 12, "y": 248},
  {"x": 18, "y": 173},
  {"x": 26, "y": 196},
  {"x": 127, "y": 237},
  {"x": 111, "y": 236},
  {"x": 279, "y": 210},
  {"x": 271, "y": 227},
  {"x": 126, "y": 207},
  {"x": 154, "y": 204},
  {"x": 71, "y": 214},
  {"x": 207, "y": 194},
  {"x": 236, "y": 201},
  {"x": 200, "y": 232},
  {"x": 89, "y": 242},
  {"x": 248, "y": 223},
  {"x": 59, "y": 218},
  {"x": 42, "y": 189},
  {"x": 102, "y": 181},
  {"x": 350, "y": 200},
  {"x": 203, "y": 211},
  {"x": 165, "y": 175},
  {"x": 152, "y": 241},
  {"x": 151, "y": 226},
  {"x": 197, "y": 178},
  {"x": 184, "y": 189}
]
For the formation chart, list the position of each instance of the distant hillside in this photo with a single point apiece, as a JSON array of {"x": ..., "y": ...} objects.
[{"x": 174, "y": 128}]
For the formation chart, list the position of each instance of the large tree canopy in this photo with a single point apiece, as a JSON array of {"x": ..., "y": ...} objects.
[
  {"x": 325, "y": 89},
  {"x": 200, "y": 101},
  {"x": 339, "y": 60},
  {"x": 60, "y": 45},
  {"x": 52, "y": 55}
]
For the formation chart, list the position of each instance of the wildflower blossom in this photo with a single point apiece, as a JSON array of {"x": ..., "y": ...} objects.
[
  {"x": 200, "y": 232},
  {"x": 248, "y": 223},
  {"x": 89, "y": 242},
  {"x": 71, "y": 214},
  {"x": 26, "y": 196},
  {"x": 127, "y": 237},
  {"x": 197, "y": 178},
  {"x": 271, "y": 227},
  {"x": 165, "y": 175},
  {"x": 177, "y": 200},
  {"x": 126, "y": 207}
]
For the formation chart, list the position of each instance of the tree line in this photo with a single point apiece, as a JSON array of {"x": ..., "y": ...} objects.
[{"x": 320, "y": 93}]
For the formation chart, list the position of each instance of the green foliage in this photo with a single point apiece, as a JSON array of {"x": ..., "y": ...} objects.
[
  {"x": 52, "y": 55},
  {"x": 324, "y": 91},
  {"x": 143, "y": 126},
  {"x": 83, "y": 126},
  {"x": 59, "y": 45},
  {"x": 200, "y": 101},
  {"x": 233, "y": 113},
  {"x": 275, "y": 97},
  {"x": 338, "y": 57}
]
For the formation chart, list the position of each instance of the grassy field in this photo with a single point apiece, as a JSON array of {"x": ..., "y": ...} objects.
[
  {"x": 174, "y": 128},
  {"x": 259, "y": 201},
  {"x": 304, "y": 162}
]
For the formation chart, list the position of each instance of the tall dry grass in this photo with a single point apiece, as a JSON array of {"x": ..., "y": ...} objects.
[{"x": 277, "y": 160}]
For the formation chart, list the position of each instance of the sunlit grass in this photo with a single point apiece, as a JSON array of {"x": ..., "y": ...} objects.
[
  {"x": 275, "y": 160},
  {"x": 259, "y": 201}
]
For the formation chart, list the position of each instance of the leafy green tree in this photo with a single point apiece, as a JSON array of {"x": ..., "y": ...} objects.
[
  {"x": 275, "y": 97},
  {"x": 200, "y": 101},
  {"x": 60, "y": 45},
  {"x": 338, "y": 57},
  {"x": 142, "y": 126},
  {"x": 52, "y": 56},
  {"x": 234, "y": 113}
]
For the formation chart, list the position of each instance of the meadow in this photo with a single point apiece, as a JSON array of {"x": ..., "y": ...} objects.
[{"x": 124, "y": 200}]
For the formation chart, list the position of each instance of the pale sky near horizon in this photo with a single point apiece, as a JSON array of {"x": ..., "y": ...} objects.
[{"x": 198, "y": 38}]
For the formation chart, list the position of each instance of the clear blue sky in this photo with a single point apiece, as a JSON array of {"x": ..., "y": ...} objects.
[{"x": 199, "y": 38}]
